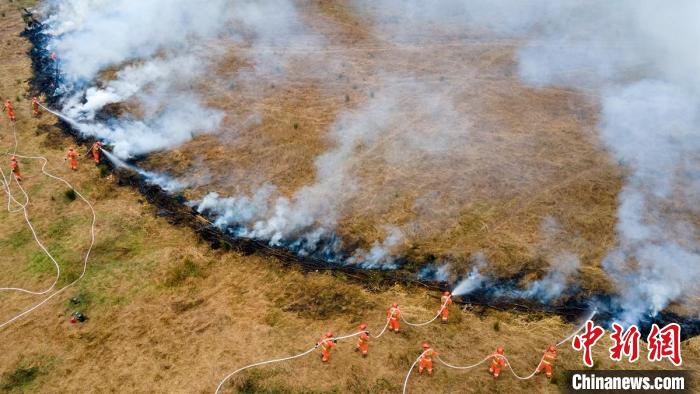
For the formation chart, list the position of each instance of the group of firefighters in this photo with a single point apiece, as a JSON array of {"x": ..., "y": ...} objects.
[
  {"x": 327, "y": 342},
  {"x": 425, "y": 362},
  {"x": 71, "y": 155}
]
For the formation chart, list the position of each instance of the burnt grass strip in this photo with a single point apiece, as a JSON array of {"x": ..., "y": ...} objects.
[{"x": 46, "y": 80}]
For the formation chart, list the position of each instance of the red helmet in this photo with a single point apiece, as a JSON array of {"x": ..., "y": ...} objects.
[
  {"x": 329, "y": 334},
  {"x": 552, "y": 349},
  {"x": 447, "y": 293},
  {"x": 395, "y": 305},
  {"x": 500, "y": 350},
  {"x": 363, "y": 326}
]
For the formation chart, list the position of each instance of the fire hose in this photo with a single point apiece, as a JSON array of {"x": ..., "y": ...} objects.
[
  {"x": 302, "y": 354},
  {"x": 218, "y": 388},
  {"x": 510, "y": 367},
  {"x": 23, "y": 206},
  {"x": 442, "y": 307}
]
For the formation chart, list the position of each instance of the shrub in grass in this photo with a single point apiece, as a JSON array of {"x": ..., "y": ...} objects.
[
  {"x": 497, "y": 326},
  {"x": 19, "y": 378},
  {"x": 70, "y": 195}
]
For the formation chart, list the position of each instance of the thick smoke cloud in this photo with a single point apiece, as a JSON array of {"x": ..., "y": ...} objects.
[
  {"x": 641, "y": 59},
  {"x": 160, "y": 51}
]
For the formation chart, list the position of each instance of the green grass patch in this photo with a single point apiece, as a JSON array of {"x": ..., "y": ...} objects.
[
  {"x": 17, "y": 239},
  {"x": 181, "y": 272},
  {"x": 39, "y": 263},
  {"x": 19, "y": 379}
]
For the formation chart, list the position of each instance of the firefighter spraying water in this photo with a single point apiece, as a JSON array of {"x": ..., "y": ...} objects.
[
  {"x": 95, "y": 150},
  {"x": 446, "y": 301},
  {"x": 35, "y": 107}
]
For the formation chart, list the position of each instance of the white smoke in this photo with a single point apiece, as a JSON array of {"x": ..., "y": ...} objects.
[
  {"x": 380, "y": 254},
  {"x": 641, "y": 58},
  {"x": 474, "y": 280},
  {"x": 562, "y": 267},
  {"x": 161, "y": 50}
]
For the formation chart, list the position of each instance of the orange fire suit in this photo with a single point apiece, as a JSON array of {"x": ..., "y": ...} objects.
[
  {"x": 96, "y": 152},
  {"x": 496, "y": 364},
  {"x": 10, "y": 111},
  {"x": 426, "y": 361},
  {"x": 446, "y": 301},
  {"x": 547, "y": 363},
  {"x": 72, "y": 159},
  {"x": 363, "y": 343},
  {"x": 14, "y": 166},
  {"x": 35, "y": 107},
  {"x": 326, "y": 344},
  {"x": 393, "y": 314}
]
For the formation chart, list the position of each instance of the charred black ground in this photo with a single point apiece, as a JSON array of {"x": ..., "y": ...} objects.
[{"x": 497, "y": 295}]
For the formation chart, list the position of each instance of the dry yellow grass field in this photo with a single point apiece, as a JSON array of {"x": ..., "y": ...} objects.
[{"x": 168, "y": 314}]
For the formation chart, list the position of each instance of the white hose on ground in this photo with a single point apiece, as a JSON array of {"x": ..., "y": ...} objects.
[
  {"x": 38, "y": 241},
  {"x": 405, "y": 381},
  {"x": 277, "y": 360},
  {"x": 87, "y": 254},
  {"x": 383, "y": 329},
  {"x": 464, "y": 367},
  {"x": 444, "y": 305}
]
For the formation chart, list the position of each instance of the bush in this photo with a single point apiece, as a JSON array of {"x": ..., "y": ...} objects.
[
  {"x": 70, "y": 195},
  {"x": 497, "y": 326}
]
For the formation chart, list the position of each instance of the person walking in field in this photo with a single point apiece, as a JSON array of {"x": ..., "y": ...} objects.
[
  {"x": 14, "y": 167},
  {"x": 393, "y": 314},
  {"x": 10, "y": 110},
  {"x": 72, "y": 157}
]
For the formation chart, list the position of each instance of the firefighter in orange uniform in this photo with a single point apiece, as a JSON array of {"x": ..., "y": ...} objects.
[
  {"x": 96, "y": 151},
  {"x": 326, "y": 344},
  {"x": 497, "y": 362},
  {"x": 35, "y": 107},
  {"x": 10, "y": 110},
  {"x": 547, "y": 362},
  {"x": 72, "y": 157},
  {"x": 426, "y": 359},
  {"x": 446, "y": 300},
  {"x": 393, "y": 314},
  {"x": 14, "y": 166},
  {"x": 363, "y": 341}
]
